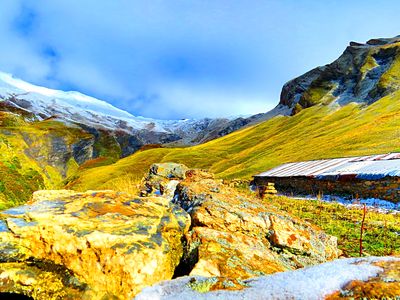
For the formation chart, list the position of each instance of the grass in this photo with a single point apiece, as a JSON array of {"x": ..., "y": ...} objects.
[
  {"x": 128, "y": 183},
  {"x": 25, "y": 152},
  {"x": 314, "y": 133},
  {"x": 382, "y": 231},
  {"x": 391, "y": 78},
  {"x": 319, "y": 92},
  {"x": 368, "y": 65}
]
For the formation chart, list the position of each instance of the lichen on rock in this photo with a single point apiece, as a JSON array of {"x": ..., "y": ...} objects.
[
  {"x": 351, "y": 278},
  {"x": 111, "y": 243},
  {"x": 240, "y": 237}
]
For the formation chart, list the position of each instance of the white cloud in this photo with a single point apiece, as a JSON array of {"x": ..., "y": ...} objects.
[
  {"x": 17, "y": 53},
  {"x": 176, "y": 58},
  {"x": 203, "y": 101}
]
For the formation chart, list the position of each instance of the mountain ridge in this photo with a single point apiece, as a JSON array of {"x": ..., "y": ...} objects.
[
  {"x": 46, "y": 135},
  {"x": 364, "y": 73},
  {"x": 74, "y": 107},
  {"x": 320, "y": 128}
]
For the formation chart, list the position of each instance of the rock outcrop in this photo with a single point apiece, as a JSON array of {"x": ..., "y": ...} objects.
[
  {"x": 162, "y": 179},
  {"x": 353, "y": 278},
  {"x": 364, "y": 73},
  {"x": 106, "y": 245},
  {"x": 239, "y": 237},
  {"x": 94, "y": 245}
]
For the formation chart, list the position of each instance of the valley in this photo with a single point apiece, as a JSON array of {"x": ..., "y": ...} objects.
[{"x": 96, "y": 203}]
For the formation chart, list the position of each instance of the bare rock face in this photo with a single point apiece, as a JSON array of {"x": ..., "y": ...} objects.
[
  {"x": 93, "y": 245},
  {"x": 352, "y": 278},
  {"x": 364, "y": 73},
  {"x": 239, "y": 237}
]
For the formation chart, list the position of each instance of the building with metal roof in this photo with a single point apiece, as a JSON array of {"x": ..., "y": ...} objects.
[{"x": 375, "y": 176}]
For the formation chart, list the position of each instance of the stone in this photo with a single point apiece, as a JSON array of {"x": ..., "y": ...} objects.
[
  {"x": 107, "y": 244},
  {"x": 385, "y": 285},
  {"x": 239, "y": 236},
  {"x": 351, "y": 278},
  {"x": 162, "y": 179},
  {"x": 233, "y": 255},
  {"x": 50, "y": 195},
  {"x": 53, "y": 283},
  {"x": 168, "y": 170}
]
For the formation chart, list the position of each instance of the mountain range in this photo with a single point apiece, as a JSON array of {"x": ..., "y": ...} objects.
[
  {"x": 72, "y": 108},
  {"x": 50, "y": 138},
  {"x": 347, "y": 108}
]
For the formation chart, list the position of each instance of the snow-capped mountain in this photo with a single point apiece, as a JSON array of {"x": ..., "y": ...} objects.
[{"x": 76, "y": 108}]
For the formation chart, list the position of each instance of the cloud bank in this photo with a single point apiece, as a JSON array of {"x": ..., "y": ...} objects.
[{"x": 181, "y": 59}]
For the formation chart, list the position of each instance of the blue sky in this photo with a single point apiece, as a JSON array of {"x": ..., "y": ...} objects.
[{"x": 175, "y": 59}]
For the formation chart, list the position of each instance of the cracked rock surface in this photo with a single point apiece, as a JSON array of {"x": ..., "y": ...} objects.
[
  {"x": 89, "y": 245},
  {"x": 239, "y": 237}
]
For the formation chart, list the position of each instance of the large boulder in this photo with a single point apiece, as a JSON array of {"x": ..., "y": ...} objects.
[
  {"x": 352, "y": 278},
  {"x": 240, "y": 237},
  {"x": 93, "y": 245}
]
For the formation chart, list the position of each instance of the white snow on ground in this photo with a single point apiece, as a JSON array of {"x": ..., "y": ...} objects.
[
  {"x": 375, "y": 204},
  {"x": 310, "y": 283}
]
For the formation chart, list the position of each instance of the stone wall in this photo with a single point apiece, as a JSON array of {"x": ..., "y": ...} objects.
[{"x": 387, "y": 188}]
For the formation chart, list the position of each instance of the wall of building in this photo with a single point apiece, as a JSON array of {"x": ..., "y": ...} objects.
[{"x": 387, "y": 188}]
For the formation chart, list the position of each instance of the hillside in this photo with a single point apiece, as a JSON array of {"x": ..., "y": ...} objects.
[
  {"x": 46, "y": 134},
  {"x": 39, "y": 103},
  {"x": 38, "y": 155},
  {"x": 314, "y": 133},
  {"x": 349, "y": 107}
]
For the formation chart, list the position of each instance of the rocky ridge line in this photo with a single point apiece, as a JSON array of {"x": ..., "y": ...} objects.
[{"x": 364, "y": 73}]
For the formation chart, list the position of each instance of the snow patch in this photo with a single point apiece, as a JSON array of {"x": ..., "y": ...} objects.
[
  {"x": 375, "y": 204},
  {"x": 73, "y": 106},
  {"x": 76, "y": 107},
  {"x": 306, "y": 284}
]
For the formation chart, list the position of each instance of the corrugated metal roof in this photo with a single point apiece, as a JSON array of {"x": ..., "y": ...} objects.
[{"x": 365, "y": 167}]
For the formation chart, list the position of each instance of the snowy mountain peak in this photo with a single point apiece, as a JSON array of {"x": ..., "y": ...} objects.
[
  {"x": 17, "y": 86},
  {"x": 70, "y": 106},
  {"x": 77, "y": 108}
]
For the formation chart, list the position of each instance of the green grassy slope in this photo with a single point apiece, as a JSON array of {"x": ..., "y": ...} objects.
[
  {"x": 25, "y": 151},
  {"x": 314, "y": 133}
]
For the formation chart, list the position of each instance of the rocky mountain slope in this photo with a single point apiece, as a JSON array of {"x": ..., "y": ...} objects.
[
  {"x": 352, "y": 119},
  {"x": 46, "y": 135},
  {"x": 73, "y": 108},
  {"x": 364, "y": 73}
]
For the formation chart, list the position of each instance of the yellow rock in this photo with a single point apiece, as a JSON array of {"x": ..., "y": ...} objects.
[
  {"x": 110, "y": 242},
  {"x": 233, "y": 255},
  {"x": 238, "y": 237}
]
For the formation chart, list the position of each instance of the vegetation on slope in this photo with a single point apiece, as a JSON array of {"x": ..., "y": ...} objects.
[
  {"x": 28, "y": 157},
  {"x": 314, "y": 133},
  {"x": 382, "y": 230}
]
